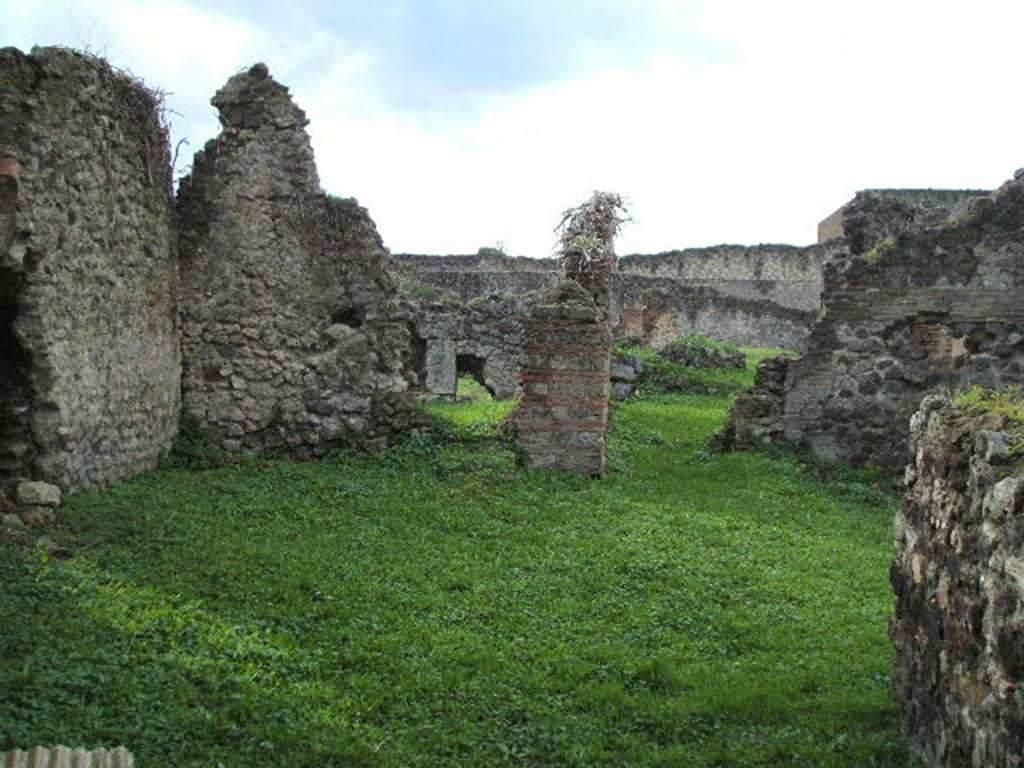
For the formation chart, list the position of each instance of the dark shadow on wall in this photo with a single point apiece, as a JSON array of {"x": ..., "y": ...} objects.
[
  {"x": 15, "y": 391},
  {"x": 417, "y": 360},
  {"x": 472, "y": 365}
]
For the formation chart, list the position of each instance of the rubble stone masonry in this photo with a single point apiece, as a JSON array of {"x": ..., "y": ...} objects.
[
  {"x": 293, "y": 336},
  {"x": 89, "y": 360},
  {"x": 958, "y": 626}
]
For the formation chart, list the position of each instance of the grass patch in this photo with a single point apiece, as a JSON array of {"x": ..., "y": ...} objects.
[
  {"x": 663, "y": 377},
  {"x": 434, "y": 605},
  {"x": 1001, "y": 409},
  {"x": 1007, "y": 402},
  {"x": 192, "y": 447}
]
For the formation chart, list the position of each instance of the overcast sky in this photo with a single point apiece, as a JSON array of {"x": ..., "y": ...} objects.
[{"x": 465, "y": 123}]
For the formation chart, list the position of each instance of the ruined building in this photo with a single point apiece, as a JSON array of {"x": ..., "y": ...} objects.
[
  {"x": 292, "y": 333},
  {"x": 89, "y": 363},
  {"x": 929, "y": 309}
]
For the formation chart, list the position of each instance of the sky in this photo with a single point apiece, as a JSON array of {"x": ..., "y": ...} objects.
[{"x": 462, "y": 124}]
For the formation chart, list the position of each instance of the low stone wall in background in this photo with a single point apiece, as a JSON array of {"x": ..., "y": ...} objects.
[{"x": 762, "y": 295}]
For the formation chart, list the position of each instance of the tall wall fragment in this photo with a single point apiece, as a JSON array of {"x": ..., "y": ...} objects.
[
  {"x": 89, "y": 361},
  {"x": 958, "y": 626},
  {"x": 926, "y": 310},
  {"x": 292, "y": 336},
  {"x": 922, "y": 311},
  {"x": 563, "y": 413}
]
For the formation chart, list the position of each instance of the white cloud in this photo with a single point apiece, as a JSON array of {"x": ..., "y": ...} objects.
[{"x": 809, "y": 101}]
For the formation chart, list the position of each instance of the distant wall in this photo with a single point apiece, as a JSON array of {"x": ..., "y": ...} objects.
[
  {"x": 763, "y": 295},
  {"x": 787, "y": 275},
  {"x": 655, "y": 311},
  {"x": 90, "y": 378}
]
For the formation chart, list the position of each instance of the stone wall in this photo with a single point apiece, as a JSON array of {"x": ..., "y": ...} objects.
[
  {"x": 89, "y": 378},
  {"x": 928, "y": 310},
  {"x": 876, "y": 214},
  {"x": 293, "y": 336},
  {"x": 958, "y": 575},
  {"x": 655, "y": 310},
  {"x": 924, "y": 311},
  {"x": 765, "y": 295},
  {"x": 787, "y": 275},
  {"x": 480, "y": 339},
  {"x": 563, "y": 413}
]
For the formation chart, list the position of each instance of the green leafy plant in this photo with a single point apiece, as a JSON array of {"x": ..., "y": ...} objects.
[
  {"x": 880, "y": 251},
  {"x": 421, "y": 291},
  {"x": 192, "y": 447}
]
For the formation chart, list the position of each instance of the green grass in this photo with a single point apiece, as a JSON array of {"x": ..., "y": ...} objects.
[
  {"x": 1007, "y": 402},
  {"x": 662, "y": 376},
  {"x": 433, "y": 605}
]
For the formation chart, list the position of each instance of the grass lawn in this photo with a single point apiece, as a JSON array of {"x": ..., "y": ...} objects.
[{"x": 433, "y": 605}]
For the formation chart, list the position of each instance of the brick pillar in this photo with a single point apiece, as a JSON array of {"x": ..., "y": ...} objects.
[{"x": 563, "y": 413}]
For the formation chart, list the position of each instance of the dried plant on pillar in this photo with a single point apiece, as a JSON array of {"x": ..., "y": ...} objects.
[{"x": 586, "y": 245}]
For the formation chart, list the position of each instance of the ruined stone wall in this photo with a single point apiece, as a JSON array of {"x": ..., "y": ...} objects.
[
  {"x": 925, "y": 311},
  {"x": 656, "y": 310},
  {"x": 763, "y": 295},
  {"x": 787, "y": 275},
  {"x": 89, "y": 382},
  {"x": 292, "y": 335},
  {"x": 958, "y": 626},
  {"x": 563, "y": 413},
  {"x": 876, "y": 214},
  {"x": 479, "y": 339}
]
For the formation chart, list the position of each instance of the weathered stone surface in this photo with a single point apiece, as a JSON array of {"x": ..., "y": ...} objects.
[
  {"x": 625, "y": 374},
  {"x": 37, "y": 493},
  {"x": 876, "y": 215},
  {"x": 755, "y": 419},
  {"x": 958, "y": 626},
  {"x": 480, "y": 338},
  {"x": 89, "y": 363},
  {"x": 563, "y": 414},
  {"x": 763, "y": 295},
  {"x": 36, "y": 516},
  {"x": 697, "y": 355},
  {"x": 932, "y": 309},
  {"x": 293, "y": 335},
  {"x": 64, "y": 757}
]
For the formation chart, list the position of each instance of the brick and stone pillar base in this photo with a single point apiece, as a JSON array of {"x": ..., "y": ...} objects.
[{"x": 563, "y": 413}]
